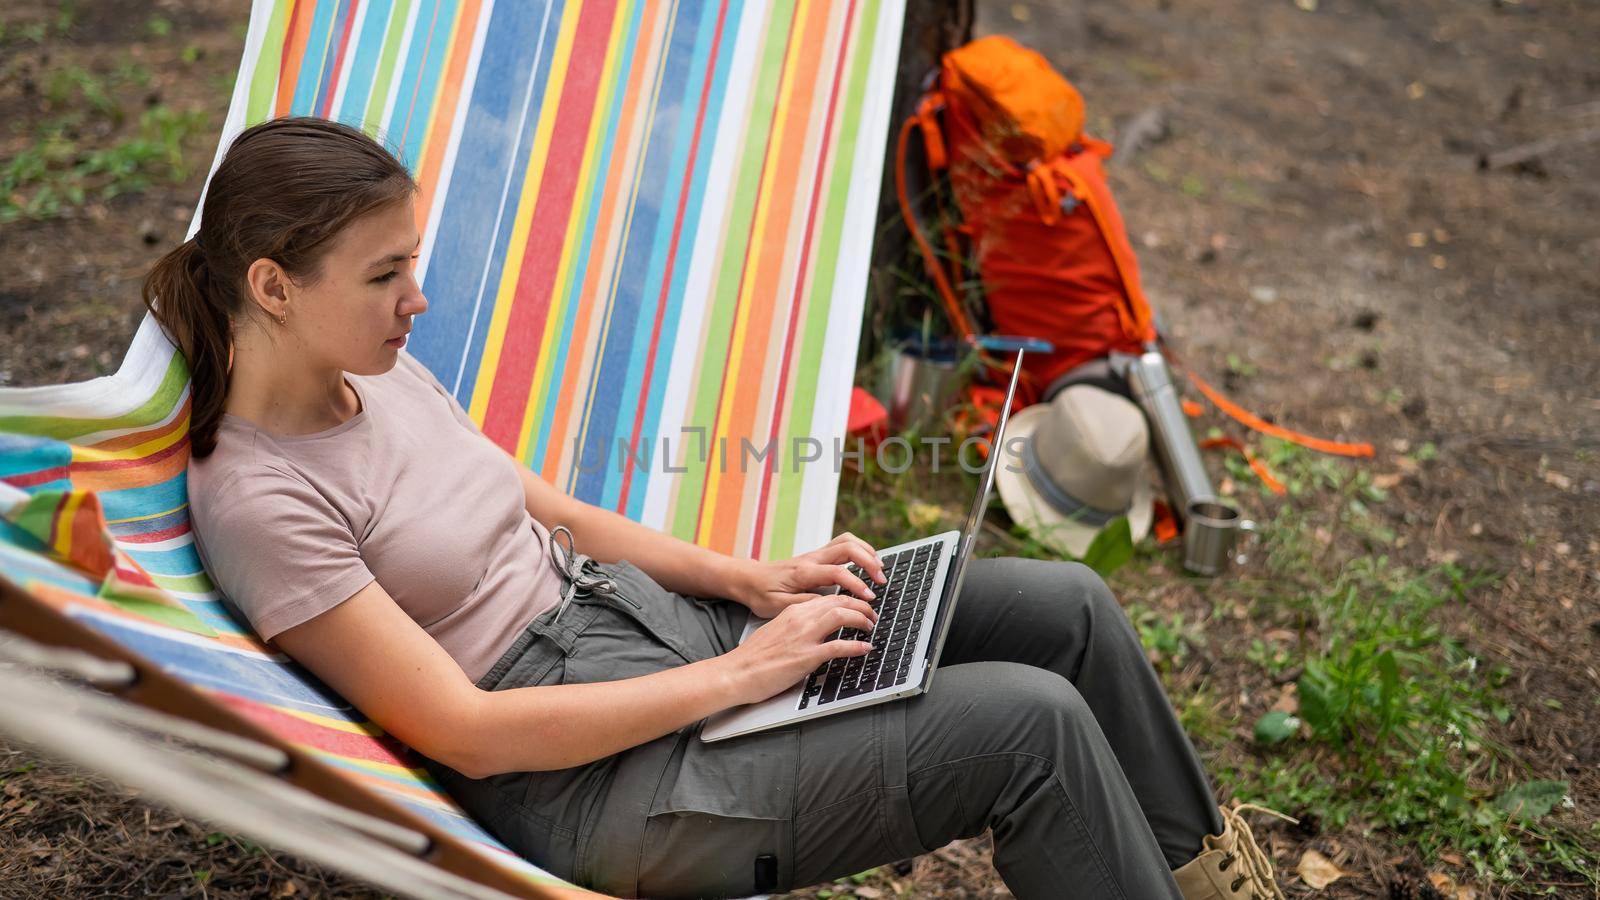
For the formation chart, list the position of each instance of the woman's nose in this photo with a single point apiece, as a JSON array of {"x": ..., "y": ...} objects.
[{"x": 414, "y": 303}]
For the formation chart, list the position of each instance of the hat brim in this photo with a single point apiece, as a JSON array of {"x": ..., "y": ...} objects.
[{"x": 1047, "y": 525}]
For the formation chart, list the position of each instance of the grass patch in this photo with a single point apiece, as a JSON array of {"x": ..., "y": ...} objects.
[
  {"x": 1394, "y": 731},
  {"x": 1396, "y": 716},
  {"x": 56, "y": 173},
  {"x": 99, "y": 132}
]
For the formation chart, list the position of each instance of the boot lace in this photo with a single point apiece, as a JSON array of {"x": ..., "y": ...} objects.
[{"x": 1256, "y": 865}]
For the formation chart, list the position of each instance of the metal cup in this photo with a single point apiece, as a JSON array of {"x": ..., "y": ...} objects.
[
  {"x": 919, "y": 389},
  {"x": 1210, "y": 534}
]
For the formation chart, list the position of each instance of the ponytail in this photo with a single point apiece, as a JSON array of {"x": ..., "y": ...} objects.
[{"x": 179, "y": 294}]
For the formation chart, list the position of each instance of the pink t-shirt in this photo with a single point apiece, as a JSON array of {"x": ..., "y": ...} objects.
[{"x": 408, "y": 492}]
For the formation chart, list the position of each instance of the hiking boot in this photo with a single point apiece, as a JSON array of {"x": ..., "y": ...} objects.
[{"x": 1232, "y": 866}]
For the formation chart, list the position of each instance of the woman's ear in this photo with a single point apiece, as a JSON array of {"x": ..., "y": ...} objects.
[{"x": 269, "y": 287}]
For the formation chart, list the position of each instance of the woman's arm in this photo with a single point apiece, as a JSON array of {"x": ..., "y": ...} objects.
[
  {"x": 374, "y": 655},
  {"x": 675, "y": 564}
]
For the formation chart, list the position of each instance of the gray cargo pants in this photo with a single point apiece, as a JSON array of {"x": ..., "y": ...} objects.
[{"x": 1045, "y": 722}]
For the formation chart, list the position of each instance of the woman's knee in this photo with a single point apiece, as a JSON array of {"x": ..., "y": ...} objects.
[
  {"x": 1073, "y": 601},
  {"x": 1000, "y": 707},
  {"x": 1084, "y": 589}
]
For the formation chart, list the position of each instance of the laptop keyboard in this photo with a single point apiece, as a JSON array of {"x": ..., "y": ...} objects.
[{"x": 900, "y": 605}]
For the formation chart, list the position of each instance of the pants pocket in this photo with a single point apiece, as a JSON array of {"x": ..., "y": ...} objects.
[
  {"x": 723, "y": 825},
  {"x": 688, "y": 853}
]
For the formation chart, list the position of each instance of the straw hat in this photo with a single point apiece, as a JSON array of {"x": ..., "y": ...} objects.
[{"x": 1073, "y": 465}]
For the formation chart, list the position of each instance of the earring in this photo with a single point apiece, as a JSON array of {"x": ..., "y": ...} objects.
[{"x": 283, "y": 318}]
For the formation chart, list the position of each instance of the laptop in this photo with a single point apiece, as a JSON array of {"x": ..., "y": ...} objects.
[{"x": 914, "y": 609}]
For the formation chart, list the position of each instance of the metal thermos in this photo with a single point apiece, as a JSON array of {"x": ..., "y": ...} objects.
[{"x": 1181, "y": 468}]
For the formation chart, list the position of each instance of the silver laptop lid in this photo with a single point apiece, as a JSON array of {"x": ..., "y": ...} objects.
[{"x": 969, "y": 534}]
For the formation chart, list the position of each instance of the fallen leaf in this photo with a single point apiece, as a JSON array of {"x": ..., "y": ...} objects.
[
  {"x": 1556, "y": 479},
  {"x": 1447, "y": 886},
  {"x": 1318, "y": 871},
  {"x": 1386, "y": 480},
  {"x": 1444, "y": 557},
  {"x": 1288, "y": 700}
]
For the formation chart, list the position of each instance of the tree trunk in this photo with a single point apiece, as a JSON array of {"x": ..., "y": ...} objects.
[{"x": 932, "y": 27}]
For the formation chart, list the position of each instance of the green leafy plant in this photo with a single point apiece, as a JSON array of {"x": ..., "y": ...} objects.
[
  {"x": 1276, "y": 727},
  {"x": 55, "y": 174},
  {"x": 1111, "y": 548}
]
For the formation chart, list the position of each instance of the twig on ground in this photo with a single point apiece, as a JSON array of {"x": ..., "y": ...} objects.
[{"x": 1530, "y": 151}]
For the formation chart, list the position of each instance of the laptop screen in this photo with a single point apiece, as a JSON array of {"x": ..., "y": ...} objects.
[{"x": 980, "y": 504}]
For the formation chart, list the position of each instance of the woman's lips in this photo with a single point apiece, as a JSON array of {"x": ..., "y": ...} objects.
[{"x": 396, "y": 342}]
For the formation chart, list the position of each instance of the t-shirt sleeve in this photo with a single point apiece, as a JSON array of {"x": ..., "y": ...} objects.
[
  {"x": 280, "y": 551},
  {"x": 421, "y": 371}
]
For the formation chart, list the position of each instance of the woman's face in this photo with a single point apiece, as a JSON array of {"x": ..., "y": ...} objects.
[{"x": 356, "y": 314}]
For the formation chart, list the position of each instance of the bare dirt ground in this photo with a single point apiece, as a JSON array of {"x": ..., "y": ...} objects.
[{"x": 1315, "y": 210}]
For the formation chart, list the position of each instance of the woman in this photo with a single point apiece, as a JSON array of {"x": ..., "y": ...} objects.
[{"x": 357, "y": 517}]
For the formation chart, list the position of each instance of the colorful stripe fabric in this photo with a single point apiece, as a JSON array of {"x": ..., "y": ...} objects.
[
  {"x": 645, "y": 226},
  {"x": 644, "y": 222}
]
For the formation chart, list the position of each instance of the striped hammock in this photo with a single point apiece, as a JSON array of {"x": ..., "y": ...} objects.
[{"x": 645, "y": 249}]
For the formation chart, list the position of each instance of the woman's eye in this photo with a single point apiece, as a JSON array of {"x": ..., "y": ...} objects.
[{"x": 389, "y": 275}]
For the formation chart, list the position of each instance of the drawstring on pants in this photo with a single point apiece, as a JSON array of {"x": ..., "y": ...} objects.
[{"x": 578, "y": 570}]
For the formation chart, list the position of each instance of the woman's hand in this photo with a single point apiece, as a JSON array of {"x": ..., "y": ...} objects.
[
  {"x": 767, "y": 588},
  {"x": 780, "y": 653}
]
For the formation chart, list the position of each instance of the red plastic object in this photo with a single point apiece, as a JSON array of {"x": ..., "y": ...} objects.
[{"x": 866, "y": 413}]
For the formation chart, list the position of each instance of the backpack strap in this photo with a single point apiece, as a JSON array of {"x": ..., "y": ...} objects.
[
  {"x": 933, "y": 139},
  {"x": 1135, "y": 314},
  {"x": 926, "y": 119},
  {"x": 927, "y": 116},
  {"x": 1252, "y": 421},
  {"x": 1256, "y": 465},
  {"x": 1255, "y": 423}
]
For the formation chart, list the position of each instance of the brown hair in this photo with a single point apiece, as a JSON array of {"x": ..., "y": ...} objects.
[{"x": 284, "y": 189}]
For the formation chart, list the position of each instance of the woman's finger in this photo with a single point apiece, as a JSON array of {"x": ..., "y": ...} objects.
[
  {"x": 860, "y": 606},
  {"x": 835, "y": 649},
  {"x": 847, "y": 603},
  {"x": 846, "y": 537},
  {"x": 845, "y": 617},
  {"x": 843, "y": 577},
  {"x": 857, "y": 552}
]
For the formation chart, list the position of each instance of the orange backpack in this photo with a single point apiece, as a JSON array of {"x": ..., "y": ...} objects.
[{"x": 1044, "y": 232}]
